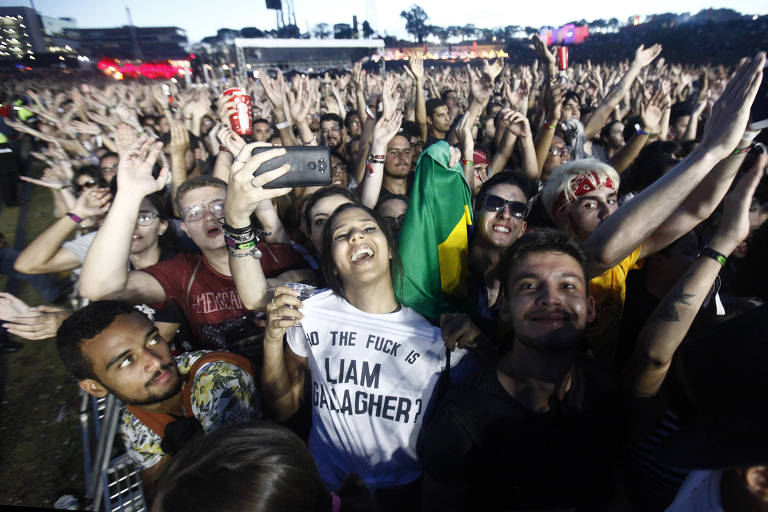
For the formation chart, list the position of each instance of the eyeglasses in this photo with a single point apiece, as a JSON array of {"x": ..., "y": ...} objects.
[
  {"x": 146, "y": 218},
  {"x": 559, "y": 150},
  {"x": 497, "y": 204},
  {"x": 197, "y": 211},
  {"x": 109, "y": 170}
]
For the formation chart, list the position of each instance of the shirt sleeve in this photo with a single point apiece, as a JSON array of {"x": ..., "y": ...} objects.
[
  {"x": 297, "y": 341},
  {"x": 223, "y": 393},
  {"x": 141, "y": 444},
  {"x": 170, "y": 274}
]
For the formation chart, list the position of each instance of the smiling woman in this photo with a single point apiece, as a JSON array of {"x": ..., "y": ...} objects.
[{"x": 373, "y": 364}]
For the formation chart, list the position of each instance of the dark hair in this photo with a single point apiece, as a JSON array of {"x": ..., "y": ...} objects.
[
  {"x": 571, "y": 95},
  {"x": 445, "y": 93},
  {"x": 411, "y": 128},
  {"x": 606, "y": 131},
  {"x": 84, "y": 324},
  {"x": 348, "y": 118},
  {"x": 257, "y": 467},
  {"x": 107, "y": 155},
  {"x": 328, "y": 267},
  {"x": 92, "y": 171},
  {"x": 333, "y": 190},
  {"x": 195, "y": 183},
  {"x": 261, "y": 120},
  {"x": 515, "y": 178},
  {"x": 538, "y": 241},
  {"x": 433, "y": 104},
  {"x": 330, "y": 116}
]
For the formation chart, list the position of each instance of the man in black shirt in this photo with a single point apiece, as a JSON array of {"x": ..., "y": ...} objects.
[{"x": 539, "y": 429}]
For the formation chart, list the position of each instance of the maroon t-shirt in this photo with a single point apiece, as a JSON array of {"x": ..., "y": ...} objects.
[{"x": 213, "y": 303}]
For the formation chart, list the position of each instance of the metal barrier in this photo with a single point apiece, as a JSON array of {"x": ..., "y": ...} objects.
[{"x": 112, "y": 480}]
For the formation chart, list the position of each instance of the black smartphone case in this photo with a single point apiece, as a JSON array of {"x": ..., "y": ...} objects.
[{"x": 310, "y": 166}]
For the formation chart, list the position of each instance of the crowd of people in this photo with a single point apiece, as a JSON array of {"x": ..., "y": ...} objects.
[{"x": 524, "y": 288}]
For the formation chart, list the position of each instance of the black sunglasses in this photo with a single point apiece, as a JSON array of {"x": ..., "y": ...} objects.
[
  {"x": 90, "y": 184},
  {"x": 496, "y": 204}
]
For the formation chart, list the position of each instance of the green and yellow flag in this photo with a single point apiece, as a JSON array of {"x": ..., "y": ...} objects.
[{"x": 434, "y": 240}]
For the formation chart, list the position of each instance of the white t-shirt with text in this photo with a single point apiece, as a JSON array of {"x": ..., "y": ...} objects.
[{"x": 372, "y": 378}]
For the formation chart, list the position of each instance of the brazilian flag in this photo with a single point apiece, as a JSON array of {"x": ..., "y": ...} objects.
[{"x": 434, "y": 240}]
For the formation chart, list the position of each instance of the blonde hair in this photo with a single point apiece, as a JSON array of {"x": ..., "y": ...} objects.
[{"x": 562, "y": 177}]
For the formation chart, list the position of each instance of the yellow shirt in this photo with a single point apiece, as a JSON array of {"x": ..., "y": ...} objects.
[{"x": 609, "y": 290}]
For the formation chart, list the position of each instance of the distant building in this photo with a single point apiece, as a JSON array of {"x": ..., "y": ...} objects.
[
  {"x": 154, "y": 43},
  {"x": 21, "y": 33},
  {"x": 27, "y": 36}
]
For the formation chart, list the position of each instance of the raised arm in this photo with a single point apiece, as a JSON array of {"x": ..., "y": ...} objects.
[
  {"x": 670, "y": 321},
  {"x": 643, "y": 57},
  {"x": 105, "y": 270},
  {"x": 385, "y": 130},
  {"x": 45, "y": 253},
  {"x": 416, "y": 67},
  {"x": 637, "y": 220},
  {"x": 650, "y": 117},
  {"x": 244, "y": 194}
]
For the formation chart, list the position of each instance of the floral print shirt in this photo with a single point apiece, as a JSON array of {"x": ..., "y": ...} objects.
[{"x": 222, "y": 393}]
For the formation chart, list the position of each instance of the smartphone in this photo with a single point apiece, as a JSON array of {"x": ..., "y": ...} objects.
[{"x": 310, "y": 166}]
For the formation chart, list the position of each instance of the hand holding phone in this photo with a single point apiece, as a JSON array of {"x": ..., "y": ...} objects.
[{"x": 310, "y": 166}]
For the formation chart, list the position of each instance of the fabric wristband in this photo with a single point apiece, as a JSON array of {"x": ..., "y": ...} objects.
[
  {"x": 640, "y": 131},
  {"x": 369, "y": 112},
  {"x": 711, "y": 253},
  {"x": 74, "y": 217},
  {"x": 739, "y": 151},
  {"x": 467, "y": 162},
  {"x": 284, "y": 124},
  {"x": 224, "y": 148}
]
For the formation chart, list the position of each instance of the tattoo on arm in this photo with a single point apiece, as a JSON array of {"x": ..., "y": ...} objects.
[{"x": 668, "y": 312}]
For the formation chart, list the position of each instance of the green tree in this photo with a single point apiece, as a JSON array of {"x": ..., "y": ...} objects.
[
  {"x": 416, "y": 22},
  {"x": 322, "y": 31}
]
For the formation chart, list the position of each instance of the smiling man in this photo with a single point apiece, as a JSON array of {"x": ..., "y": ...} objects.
[
  {"x": 110, "y": 347},
  {"x": 538, "y": 429}
]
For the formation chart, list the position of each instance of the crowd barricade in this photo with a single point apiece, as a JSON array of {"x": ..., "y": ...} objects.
[{"x": 112, "y": 479}]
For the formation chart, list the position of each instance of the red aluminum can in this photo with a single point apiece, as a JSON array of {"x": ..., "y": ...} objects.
[
  {"x": 241, "y": 120},
  {"x": 562, "y": 58}
]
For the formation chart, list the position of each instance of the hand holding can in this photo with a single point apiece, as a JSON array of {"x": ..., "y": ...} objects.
[{"x": 241, "y": 119}]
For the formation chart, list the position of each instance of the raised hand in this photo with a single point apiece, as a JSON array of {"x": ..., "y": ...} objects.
[
  {"x": 390, "y": 97},
  {"x": 652, "y": 110},
  {"x": 179, "y": 138},
  {"x": 385, "y": 129},
  {"x": 87, "y": 128},
  {"x": 92, "y": 202},
  {"x": 494, "y": 68},
  {"x": 416, "y": 66},
  {"x": 480, "y": 84},
  {"x": 546, "y": 57},
  {"x": 300, "y": 103},
  {"x": 134, "y": 172},
  {"x": 125, "y": 137},
  {"x": 244, "y": 191},
  {"x": 128, "y": 116},
  {"x": 517, "y": 124},
  {"x": 728, "y": 119},
  {"x": 230, "y": 140},
  {"x": 644, "y": 56},
  {"x": 274, "y": 89}
]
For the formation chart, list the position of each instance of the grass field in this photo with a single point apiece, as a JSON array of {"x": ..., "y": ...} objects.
[{"x": 40, "y": 448}]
